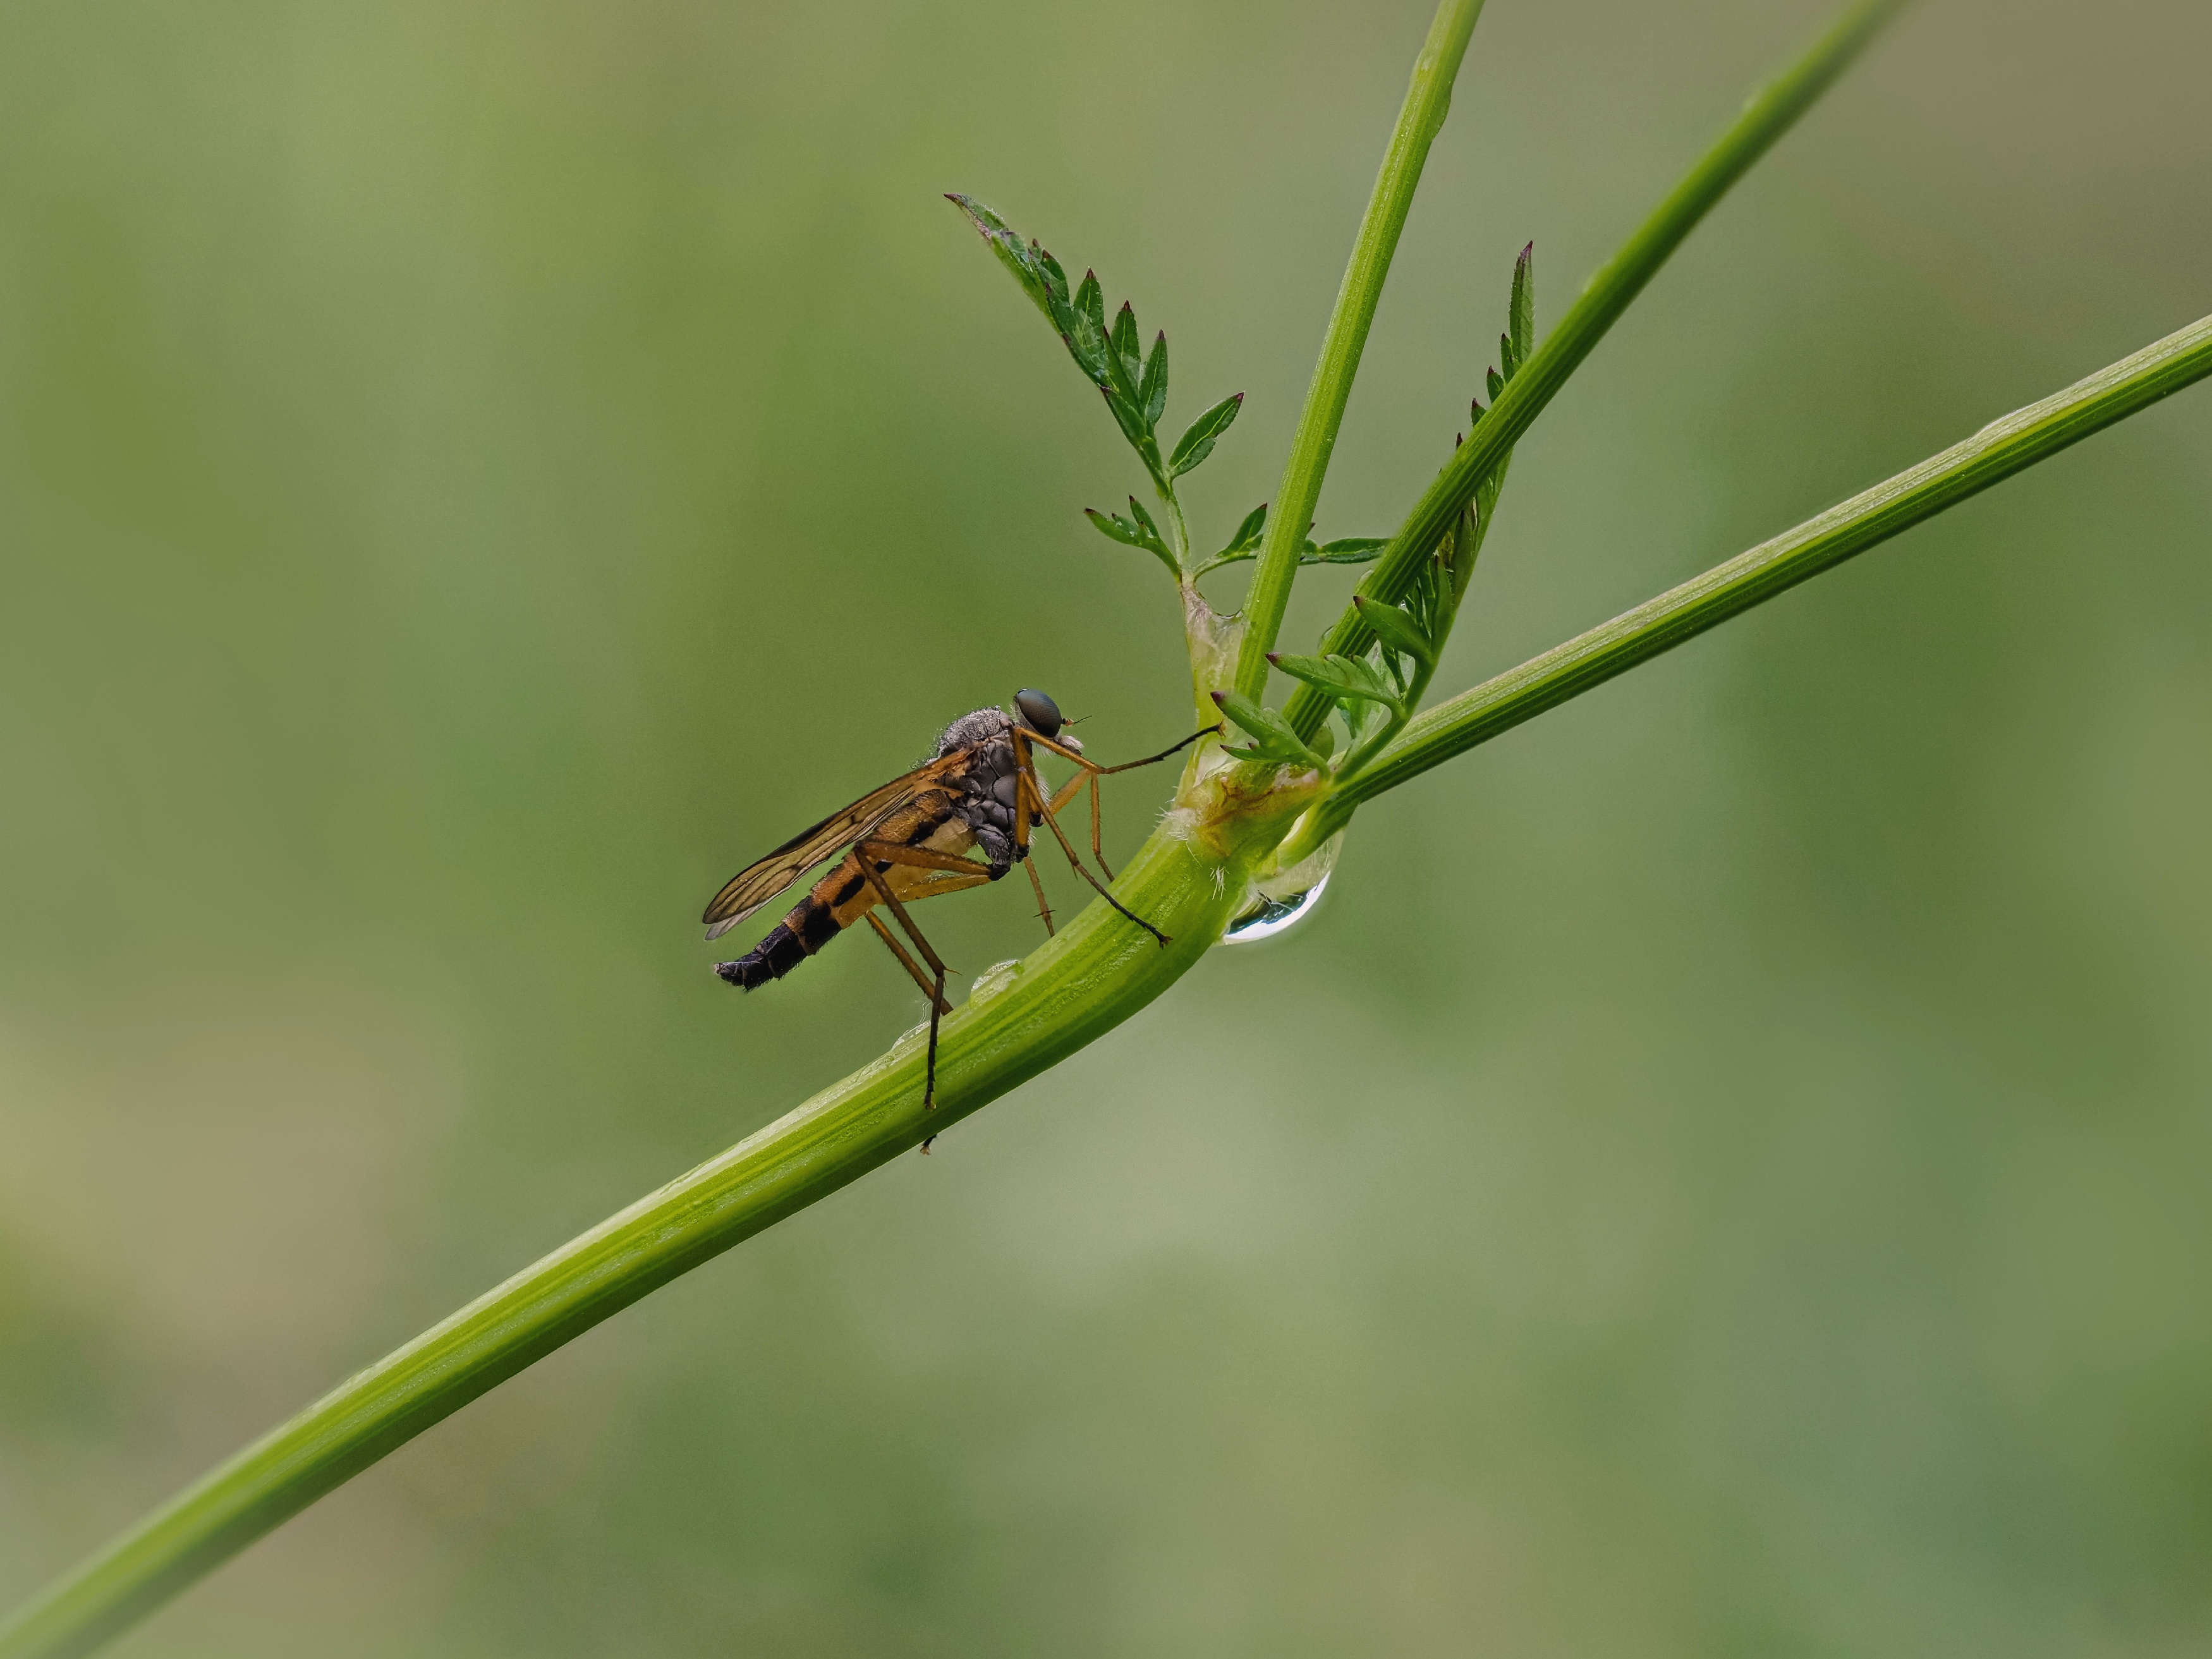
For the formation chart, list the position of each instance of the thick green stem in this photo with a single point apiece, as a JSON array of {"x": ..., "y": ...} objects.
[
  {"x": 1995, "y": 452},
  {"x": 1189, "y": 879},
  {"x": 1428, "y": 100},
  {"x": 1770, "y": 114}
]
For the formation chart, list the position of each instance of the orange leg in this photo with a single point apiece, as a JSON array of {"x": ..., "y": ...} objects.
[
  {"x": 906, "y": 961},
  {"x": 1023, "y": 732},
  {"x": 1037, "y": 886},
  {"x": 1090, "y": 774},
  {"x": 922, "y": 858},
  {"x": 1029, "y": 799},
  {"x": 872, "y": 853},
  {"x": 1097, "y": 836}
]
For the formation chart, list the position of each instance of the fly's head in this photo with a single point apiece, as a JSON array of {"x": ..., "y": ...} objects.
[{"x": 1041, "y": 715}]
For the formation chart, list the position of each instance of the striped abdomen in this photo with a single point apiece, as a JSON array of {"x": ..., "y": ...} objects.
[{"x": 845, "y": 895}]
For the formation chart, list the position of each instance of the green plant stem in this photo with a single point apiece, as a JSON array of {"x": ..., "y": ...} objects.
[
  {"x": 1995, "y": 452},
  {"x": 1178, "y": 529},
  {"x": 1095, "y": 973},
  {"x": 1394, "y": 723},
  {"x": 1428, "y": 100},
  {"x": 1770, "y": 113}
]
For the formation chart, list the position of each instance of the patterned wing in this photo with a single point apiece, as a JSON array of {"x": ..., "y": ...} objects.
[{"x": 756, "y": 883}]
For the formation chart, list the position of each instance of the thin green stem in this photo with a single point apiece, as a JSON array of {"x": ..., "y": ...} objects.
[
  {"x": 1428, "y": 100},
  {"x": 1189, "y": 879},
  {"x": 1361, "y": 757},
  {"x": 1178, "y": 529},
  {"x": 1995, "y": 452},
  {"x": 1770, "y": 114}
]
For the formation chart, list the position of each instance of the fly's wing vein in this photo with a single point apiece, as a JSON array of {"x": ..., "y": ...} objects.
[{"x": 756, "y": 883}]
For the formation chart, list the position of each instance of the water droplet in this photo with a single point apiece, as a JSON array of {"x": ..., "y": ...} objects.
[{"x": 1271, "y": 918}]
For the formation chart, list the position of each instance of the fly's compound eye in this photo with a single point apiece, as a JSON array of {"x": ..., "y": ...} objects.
[{"x": 1038, "y": 712}]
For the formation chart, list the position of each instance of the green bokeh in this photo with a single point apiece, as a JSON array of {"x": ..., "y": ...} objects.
[{"x": 1725, "y": 1171}]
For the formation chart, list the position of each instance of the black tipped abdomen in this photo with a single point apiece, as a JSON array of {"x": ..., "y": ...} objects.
[{"x": 781, "y": 949}]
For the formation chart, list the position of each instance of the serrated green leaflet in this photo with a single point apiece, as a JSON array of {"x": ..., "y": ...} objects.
[
  {"x": 1023, "y": 262},
  {"x": 1341, "y": 677},
  {"x": 1115, "y": 527},
  {"x": 1520, "y": 308},
  {"x": 1056, "y": 283},
  {"x": 1084, "y": 320},
  {"x": 1129, "y": 351},
  {"x": 1090, "y": 302},
  {"x": 1197, "y": 443},
  {"x": 1351, "y": 549},
  {"x": 1152, "y": 391},
  {"x": 1249, "y": 532},
  {"x": 1395, "y": 628},
  {"x": 1267, "y": 728},
  {"x": 1120, "y": 529}
]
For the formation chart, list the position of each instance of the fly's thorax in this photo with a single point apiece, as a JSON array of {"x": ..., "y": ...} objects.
[{"x": 974, "y": 731}]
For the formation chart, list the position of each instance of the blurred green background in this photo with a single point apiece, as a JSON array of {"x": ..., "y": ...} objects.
[{"x": 1724, "y": 1173}]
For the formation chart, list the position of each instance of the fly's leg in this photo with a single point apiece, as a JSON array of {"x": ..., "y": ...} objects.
[
  {"x": 1069, "y": 791},
  {"x": 871, "y": 852},
  {"x": 1090, "y": 774},
  {"x": 1022, "y": 840},
  {"x": 1066, "y": 753},
  {"x": 1154, "y": 760},
  {"x": 906, "y": 960},
  {"x": 1030, "y": 798},
  {"x": 1097, "y": 836},
  {"x": 1037, "y": 885}
]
